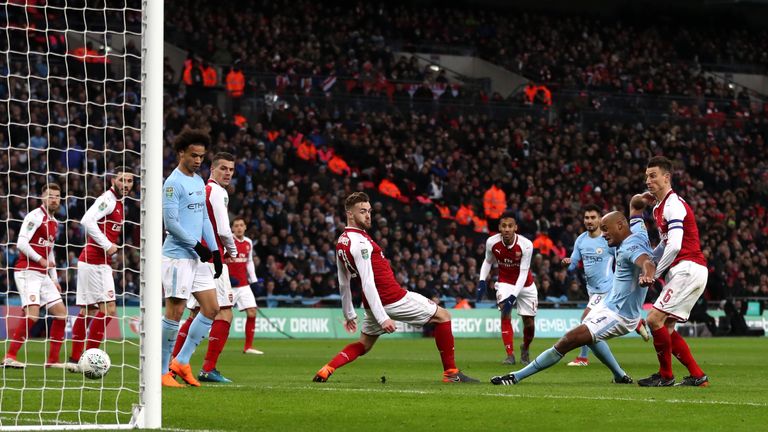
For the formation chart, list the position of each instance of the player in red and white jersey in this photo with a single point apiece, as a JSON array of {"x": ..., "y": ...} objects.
[
  {"x": 36, "y": 279},
  {"x": 512, "y": 253},
  {"x": 242, "y": 273},
  {"x": 360, "y": 261},
  {"x": 217, "y": 199},
  {"x": 103, "y": 224},
  {"x": 679, "y": 256}
]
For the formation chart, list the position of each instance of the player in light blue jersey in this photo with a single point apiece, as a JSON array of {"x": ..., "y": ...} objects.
[
  {"x": 597, "y": 258},
  {"x": 619, "y": 313},
  {"x": 183, "y": 268}
]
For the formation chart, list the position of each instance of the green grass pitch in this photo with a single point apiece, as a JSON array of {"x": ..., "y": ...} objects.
[{"x": 275, "y": 392}]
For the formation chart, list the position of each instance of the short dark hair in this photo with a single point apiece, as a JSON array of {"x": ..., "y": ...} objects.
[
  {"x": 229, "y": 157},
  {"x": 354, "y": 198},
  {"x": 508, "y": 215},
  {"x": 661, "y": 162},
  {"x": 122, "y": 169},
  {"x": 51, "y": 186},
  {"x": 237, "y": 218},
  {"x": 189, "y": 137},
  {"x": 592, "y": 208}
]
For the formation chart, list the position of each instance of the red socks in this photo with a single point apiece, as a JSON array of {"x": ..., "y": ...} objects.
[
  {"x": 20, "y": 336},
  {"x": 250, "y": 329},
  {"x": 78, "y": 338},
  {"x": 348, "y": 354},
  {"x": 662, "y": 341},
  {"x": 182, "y": 336},
  {"x": 217, "y": 338},
  {"x": 528, "y": 332},
  {"x": 56, "y": 339},
  {"x": 97, "y": 329},
  {"x": 508, "y": 335},
  {"x": 682, "y": 352},
  {"x": 444, "y": 342}
]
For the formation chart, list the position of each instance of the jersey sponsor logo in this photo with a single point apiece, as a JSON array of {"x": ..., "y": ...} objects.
[
  {"x": 169, "y": 192},
  {"x": 196, "y": 206},
  {"x": 116, "y": 227},
  {"x": 42, "y": 241},
  {"x": 102, "y": 206},
  {"x": 364, "y": 253}
]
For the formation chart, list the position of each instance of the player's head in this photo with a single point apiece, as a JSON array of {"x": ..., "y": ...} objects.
[
  {"x": 658, "y": 175},
  {"x": 122, "y": 181},
  {"x": 223, "y": 168},
  {"x": 507, "y": 226},
  {"x": 615, "y": 228},
  {"x": 190, "y": 146},
  {"x": 238, "y": 227},
  {"x": 51, "y": 194},
  {"x": 358, "y": 208},
  {"x": 591, "y": 217}
]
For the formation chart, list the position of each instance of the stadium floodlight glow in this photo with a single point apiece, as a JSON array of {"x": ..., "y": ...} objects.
[
  {"x": 434, "y": 68},
  {"x": 100, "y": 133}
]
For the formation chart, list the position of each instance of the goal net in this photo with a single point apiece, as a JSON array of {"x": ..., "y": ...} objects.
[{"x": 73, "y": 92}]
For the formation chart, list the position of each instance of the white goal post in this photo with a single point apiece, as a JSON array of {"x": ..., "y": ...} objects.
[{"x": 81, "y": 93}]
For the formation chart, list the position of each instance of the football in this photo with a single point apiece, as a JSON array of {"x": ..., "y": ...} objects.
[{"x": 94, "y": 363}]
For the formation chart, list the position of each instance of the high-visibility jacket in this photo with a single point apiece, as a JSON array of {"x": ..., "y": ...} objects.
[
  {"x": 240, "y": 121},
  {"x": 307, "y": 151},
  {"x": 464, "y": 215},
  {"x": 544, "y": 244},
  {"x": 338, "y": 166},
  {"x": 494, "y": 202},
  {"x": 530, "y": 93},
  {"x": 235, "y": 84},
  {"x": 463, "y": 304},
  {"x": 481, "y": 225},
  {"x": 444, "y": 211},
  {"x": 546, "y": 95},
  {"x": 210, "y": 78},
  {"x": 389, "y": 189}
]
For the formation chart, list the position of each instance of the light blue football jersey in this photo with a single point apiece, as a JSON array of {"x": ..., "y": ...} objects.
[
  {"x": 627, "y": 296},
  {"x": 185, "y": 215},
  {"x": 597, "y": 257}
]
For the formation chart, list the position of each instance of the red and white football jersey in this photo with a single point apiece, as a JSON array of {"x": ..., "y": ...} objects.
[
  {"x": 360, "y": 260},
  {"x": 674, "y": 213},
  {"x": 514, "y": 260},
  {"x": 241, "y": 267},
  {"x": 103, "y": 223},
  {"x": 38, "y": 232}
]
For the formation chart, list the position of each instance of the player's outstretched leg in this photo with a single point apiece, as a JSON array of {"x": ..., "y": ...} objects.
[
  {"x": 603, "y": 353},
  {"x": 543, "y": 361},
  {"x": 348, "y": 354}
]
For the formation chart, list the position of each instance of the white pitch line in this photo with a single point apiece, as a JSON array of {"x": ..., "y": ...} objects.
[{"x": 526, "y": 396}]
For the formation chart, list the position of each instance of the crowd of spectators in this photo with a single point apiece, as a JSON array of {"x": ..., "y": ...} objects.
[
  {"x": 549, "y": 168},
  {"x": 357, "y": 40}
]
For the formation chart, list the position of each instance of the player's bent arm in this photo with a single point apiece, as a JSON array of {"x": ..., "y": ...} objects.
[
  {"x": 100, "y": 209},
  {"x": 173, "y": 226},
  {"x": 251, "y": 269},
  {"x": 488, "y": 262},
  {"x": 525, "y": 267},
  {"x": 208, "y": 235},
  {"x": 218, "y": 200},
  {"x": 365, "y": 271},
  {"x": 575, "y": 256},
  {"x": 344, "y": 289},
  {"x": 485, "y": 270},
  {"x": 52, "y": 269},
  {"x": 645, "y": 262},
  {"x": 28, "y": 227},
  {"x": 672, "y": 247}
]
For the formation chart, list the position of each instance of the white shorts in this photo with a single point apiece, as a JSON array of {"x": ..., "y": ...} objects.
[
  {"x": 95, "y": 284},
  {"x": 244, "y": 298},
  {"x": 605, "y": 324},
  {"x": 224, "y": 293},
  {"x": 414, "y": 309},
  {"x": 36, "y": 289},
  {"x": 595, "y": 300},
  {"x": 685, "y": 284},
  {"x": 527, "y": 298},
  {"x": 184, "y": 276}
]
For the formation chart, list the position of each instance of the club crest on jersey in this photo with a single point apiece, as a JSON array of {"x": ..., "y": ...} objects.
[
  {"x": 102, "y": 206},
  {"x": 32, "y": 298},
  {"x": 169, "y": 192},
  {"x": 599, "y": 251},
  {"x": 518, "y": 254},
  {"x": 364, "y": 253}
]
